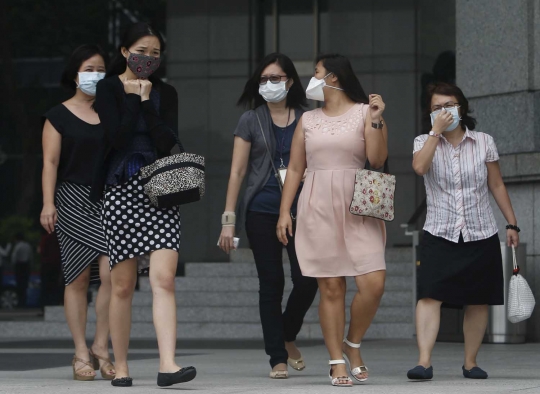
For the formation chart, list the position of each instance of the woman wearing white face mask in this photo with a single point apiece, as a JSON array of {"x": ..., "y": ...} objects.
[
  {"x": 72, "y": 140},
  {"x": 332, "y": 143},
  {"x": 460, "y": 253},
  {"x": 276, "y": 97}
]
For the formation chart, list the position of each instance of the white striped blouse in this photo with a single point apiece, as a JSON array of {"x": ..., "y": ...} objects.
[{"x": 457, "y": 190}]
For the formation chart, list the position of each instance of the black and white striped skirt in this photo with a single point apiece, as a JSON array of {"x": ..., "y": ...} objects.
[{"x": 80, "y": 231}]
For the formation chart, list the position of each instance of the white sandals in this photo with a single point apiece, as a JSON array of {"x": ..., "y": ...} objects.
[
  {"x": 336, "y": 381},
  {"x": 357, "y": 370},
  {"x": 279, "y": 374}
]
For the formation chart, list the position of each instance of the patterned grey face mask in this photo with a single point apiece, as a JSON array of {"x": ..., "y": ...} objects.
[{"x": 143, "y": 66}]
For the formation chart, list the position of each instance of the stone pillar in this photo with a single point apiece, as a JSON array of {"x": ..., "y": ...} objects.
[{"x": 498, "y": 68}]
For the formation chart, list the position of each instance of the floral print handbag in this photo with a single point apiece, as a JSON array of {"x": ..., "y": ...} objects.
[{"x": 374, "y": 194}]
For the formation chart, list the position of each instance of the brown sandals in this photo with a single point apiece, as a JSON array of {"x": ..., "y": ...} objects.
[
  {"x": 107, "y": 365},
  {"x": 77, "y": 375}
]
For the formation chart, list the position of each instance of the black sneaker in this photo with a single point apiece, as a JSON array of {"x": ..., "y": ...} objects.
[
  {"x": 474, "y": 373},
  {"x": 420, "y": 373}
]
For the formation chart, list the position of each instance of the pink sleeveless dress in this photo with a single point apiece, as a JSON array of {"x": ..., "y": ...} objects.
[{"x": 329, "y": 240}]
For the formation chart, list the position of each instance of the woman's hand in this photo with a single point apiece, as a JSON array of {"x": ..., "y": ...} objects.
[
  {"x": 284, "y": 228},
  {"x": 226, "y": 239},
  {"x": 146, "y": 88},
  {"x": 442, "y": 121},
  {"x": 48, "y": 218},
  {"x": 376, "y": 107},
  {"x": 512, "y": 237},
  {"x": 132, "y": 86}
]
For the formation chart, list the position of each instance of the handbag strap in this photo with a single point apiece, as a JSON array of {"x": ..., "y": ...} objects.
[
  {"x": 276, "y": 174},
  {"x": 514, "y": 261}
]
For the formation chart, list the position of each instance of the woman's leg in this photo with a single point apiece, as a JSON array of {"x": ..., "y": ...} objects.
[
  {"x": 474, "y": 329},
  {"x": 163, "y": 264},
  {"x": 363, "y": 309},
  {"x": 332, "y": 317},
  {"x": 101, "y": 340},
  {"x": 268, "y": 254},
  {"x": 300, "y": 300},
  {"x": 123, "y": 278},
  {"x": 428, "y": 319},
  {"x": 75, "y": 306}
]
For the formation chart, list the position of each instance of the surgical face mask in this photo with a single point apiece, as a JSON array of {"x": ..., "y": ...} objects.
[
  {"x": 315, "y": 90},
  {"x": 455, "y": 114},
  {"x": 273, "y": 92},
  {"x": 143, "y": 66},
  {"x": 88, "y": 81}
]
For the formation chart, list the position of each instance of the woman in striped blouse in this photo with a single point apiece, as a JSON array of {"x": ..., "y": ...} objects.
[
  {"x": 72, "y": 140},
  {"x": 461, "y": 262}
]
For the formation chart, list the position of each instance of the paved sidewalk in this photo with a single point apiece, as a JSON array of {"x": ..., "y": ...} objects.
[{"x": 512, "y": 368}]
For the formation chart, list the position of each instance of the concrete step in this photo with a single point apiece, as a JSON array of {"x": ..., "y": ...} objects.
[
  {"x": 249, "y": 270},
  {"x": 140, "y": 330},
  {"x": 251, "y": 298},
  {"x": 245, "y": 314},
  {"x": 394, "y": 255},
  {"x": 184, "y": 284}
]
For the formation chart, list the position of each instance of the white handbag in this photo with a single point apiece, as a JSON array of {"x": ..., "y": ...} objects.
[{"x": 520, "y": 297}]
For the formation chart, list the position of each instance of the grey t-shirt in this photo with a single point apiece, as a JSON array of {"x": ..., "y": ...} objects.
[{"x": 259, "y": 167}]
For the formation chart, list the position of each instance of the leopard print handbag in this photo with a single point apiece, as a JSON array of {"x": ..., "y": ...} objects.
[
  {"x": 373, "y": 195},
  {"x": 174, "y": 180}
]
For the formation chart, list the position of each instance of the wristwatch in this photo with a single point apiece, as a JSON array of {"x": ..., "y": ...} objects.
[
  {"x": 379, "y": 125},
  {"x": 434, "y": 134}
]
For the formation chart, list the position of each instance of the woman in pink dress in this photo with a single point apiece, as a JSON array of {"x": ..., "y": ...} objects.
[{"x": 331, "y": 143}]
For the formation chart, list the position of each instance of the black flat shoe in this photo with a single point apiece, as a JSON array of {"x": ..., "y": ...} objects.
[
  {"x": 122, "y": 382},
  {"x": 183, "y": 375},
  {"x": 474, "y": 373},
  {"x": 420, "y": 373}
]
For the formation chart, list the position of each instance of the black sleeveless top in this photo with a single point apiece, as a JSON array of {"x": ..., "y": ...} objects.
[{"x": 82, "y": 144}]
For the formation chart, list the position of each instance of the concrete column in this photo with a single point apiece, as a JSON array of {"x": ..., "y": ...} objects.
[{"x": 498, "y": 68}]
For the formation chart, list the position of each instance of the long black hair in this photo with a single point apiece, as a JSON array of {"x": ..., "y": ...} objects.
[
  {"x": 296, "y": 98},
  {"x": 78, "y": 57},
  {"x": 447, "y": 89},
  {"x": 133, "y": 34},
  {"x": 341, "y": 67}
]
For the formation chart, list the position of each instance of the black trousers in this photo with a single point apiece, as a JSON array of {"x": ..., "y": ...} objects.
[
  {"x": 22, "y": 276},
  {"x": 278, "y": 326}
]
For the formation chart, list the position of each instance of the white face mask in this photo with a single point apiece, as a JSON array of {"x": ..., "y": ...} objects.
[
  {"x": 455, "y": 114},
  {"x": 315, "y": 90},
  {"x": 88, "y": 81},
  {"x": 273, "y": 92}
]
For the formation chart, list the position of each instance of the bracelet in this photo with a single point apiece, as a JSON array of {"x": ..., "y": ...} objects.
[
  {"x": 512, "y": 227},
  {"x": 228, "y": 219}
]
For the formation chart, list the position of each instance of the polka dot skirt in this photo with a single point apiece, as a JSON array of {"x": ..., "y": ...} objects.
[{"x": 133, "y": 227}]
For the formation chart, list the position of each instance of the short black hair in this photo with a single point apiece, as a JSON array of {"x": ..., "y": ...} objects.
[
  {"x": 448, "y": 89},
  {"x": 296, "y": 98},
  {"x": 78, "y": 57},
  {"x": 134, "y": 33},
  {"x": 341, "y": 67}
]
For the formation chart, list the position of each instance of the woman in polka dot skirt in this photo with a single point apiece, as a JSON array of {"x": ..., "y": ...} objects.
[{"x": 140, "y": 116}]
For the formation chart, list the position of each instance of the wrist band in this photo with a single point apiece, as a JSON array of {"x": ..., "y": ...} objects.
[
  {"x": 512, "y": 227},
  {"x": 228, "y": 219}
]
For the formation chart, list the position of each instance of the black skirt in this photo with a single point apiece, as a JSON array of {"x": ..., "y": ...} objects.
[{"x": 463, "y": 273}]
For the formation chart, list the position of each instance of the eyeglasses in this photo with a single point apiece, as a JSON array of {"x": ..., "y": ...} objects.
[
  {"x": 272, "y": 78},
  {"x": 448, "y": 105}
]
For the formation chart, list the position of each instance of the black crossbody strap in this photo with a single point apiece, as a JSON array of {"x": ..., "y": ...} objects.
[{"x": 276, "y": 173}]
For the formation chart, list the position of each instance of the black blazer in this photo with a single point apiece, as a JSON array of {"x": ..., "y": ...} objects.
[{"x": 119, "y": 113}]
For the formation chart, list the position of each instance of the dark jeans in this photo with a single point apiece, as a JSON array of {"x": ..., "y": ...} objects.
[
  {"x": 278, "y": 326},
  {"x": 22, "y": 276}
]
